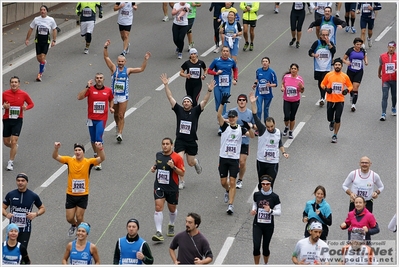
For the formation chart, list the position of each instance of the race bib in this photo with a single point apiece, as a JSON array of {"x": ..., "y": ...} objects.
[
  {"x": 356, "y": 64},
  {"x": 389, "y": 68},
  {"x": 291, "y": 91},
  {"x": 89, "y": 122},
  {"x": 185, "y": 127},
  {"x": 163, "y": 176},
  {"x": 125, "y": 12},
  {"x": 98, "y": 107},
  {"x": 195, "y": 72},
  {"x": 298, "y": 5},
  {"x": 19, "y": 219},
  {"x": 231, "y": 148},
  {"x": 270, "y": 154},
  {"x": 324, "y": 56},
  {"x": 78, "y": 185},
  {"x": 365, "y": 8},
  {"x": 263, "y": 216},
  {"x": 224, "y": 80},
  {"x": 78, "y": 262},
  {"x": 14, "y": 112},
  {"x": 87, "y": 12},
  {"x": 336, "y": 88},
  {"x": 263, "y": 89},
  {"x": 119, "y": 88},
  {"x": 42, "y": 30}
]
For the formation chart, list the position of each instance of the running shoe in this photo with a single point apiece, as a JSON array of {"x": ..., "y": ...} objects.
[
  {"x": 179, "y": 56},
  {"x": 10, "y": 165},
  {"x": 226, "y": 197},
  {"x": 198, "y": 167},
  {"x": 393, "y": 111},
  {"x": 337, "y": 14},
  {"x": 285, "y": 131},
  {"x": 182, "y": 185},
  {"x": 251, "y": 47},
  {"x": 292, "y": 41},
  {"x": 39, "y": 77},
  {"x": 331, "y": 126},
  {"x": 177, "y": 51},
  {"x": 353, "y": 108},
  {"x": 216, "y": 50},
  {"x": 86, "y": 51},
  {"x": 290, "y": 136},
  {"x": 157, "y": 237},
  {"x": 347, "y": 28},
  {"x": 72, "y": 230},
  {"x": 310, "y": 10},
  {"x": 190, "y": 46},
  {"x": 166, "y": 18},
  {"x": 245, "y": 46},
  {"x": 128, "y": 48},
  {"x": 383, "y": 117},
  {"x": 239, "y": 184},
  {"x": 369, "y": 42},
  {"x": 297, "y": 45},
  {"x": 276, "y": 11},
  {"x": 334, "y": 139},
  {"x": 119, "y": 138},
  {"x": 98, "y": 167},
  {"x": 230, "y": 209},
  {"x": 123, "y": 53},
  {"x": 171, "y": 230},
  {"x": 353, "y": 29},
  {"x": 321, "y": 102},
  {"x": 220, "y": 132}
]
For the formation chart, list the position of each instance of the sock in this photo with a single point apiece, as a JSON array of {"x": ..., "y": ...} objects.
[
  {"x": 347, "y": 20},
  {"x": 172, "y": 217},
  {"x": 42, "y": 64},
  {"x": 354, "y": 100},
  {"x": 158, "y": 218},
  {"x": 352, "y": 21}
]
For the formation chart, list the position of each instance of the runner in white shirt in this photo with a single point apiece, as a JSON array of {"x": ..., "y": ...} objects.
[
  {"x": 361, "y": 182},
  {"x": 125, "y": 21},
  {"x": 312, "y": 250}
]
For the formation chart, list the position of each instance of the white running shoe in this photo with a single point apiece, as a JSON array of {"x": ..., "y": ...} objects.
[
  {"x": 226, "y": 197},
  {"x": 119, "y": 138},
  {"x": 128, "y": 48},
  {"x": 369, "y": 42},
  {"x": 166, "y": 18},
  {"x": 86, "y": 51},
  {"x": 71, "y": 230},
  {"x": 182, "y": 185},
  {"x": 230, "y": 209},
  {"x": 239, "y": 184},
  {"x": 216, "y": 50},
  {"x": 353, "y": 108},
  {"x": 198, "y": 167},
  {"x": 10, "y": 165},
  {"x": 98, "y": 167}
]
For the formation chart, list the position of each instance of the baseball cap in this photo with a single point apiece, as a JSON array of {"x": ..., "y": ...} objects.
[
  {"x": 193, "y": 51},
  {"x": 232, "y": 113}
]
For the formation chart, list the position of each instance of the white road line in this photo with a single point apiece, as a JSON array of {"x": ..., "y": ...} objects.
[
  {"x": 379, "y": 37},
  {"x": 171, "y": 79},
  {"x": 223, "y": 252}
]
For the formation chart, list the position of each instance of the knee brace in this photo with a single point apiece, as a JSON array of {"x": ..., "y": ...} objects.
[{"x": 88, "y": 38}]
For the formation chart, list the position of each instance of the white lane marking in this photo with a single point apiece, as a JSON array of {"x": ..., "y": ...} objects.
[
  {"x": 223, "y": 252},
  {"x": 379, "y": 37},
  {"x": 171, "y": 79},
  {"x": 55, "y": 175}
]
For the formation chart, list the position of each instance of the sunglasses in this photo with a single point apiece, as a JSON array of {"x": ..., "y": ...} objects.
[
  {"x": 266, "y": 183},
  {"x": 242, "y": 99}
]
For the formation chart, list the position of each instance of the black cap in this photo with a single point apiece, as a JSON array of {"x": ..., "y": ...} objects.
[
  {"x": 337, "y": 60},
  {"x": 79, "y": 145},
  {"x": 22, "y": 175},
  {"x": 135, "y": 221},
  {"x": 232, "y": 113},
  {"x": 266, "y": 178}
]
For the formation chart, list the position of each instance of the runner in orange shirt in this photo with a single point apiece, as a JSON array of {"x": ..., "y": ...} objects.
[{"x": 334, "y": 83}]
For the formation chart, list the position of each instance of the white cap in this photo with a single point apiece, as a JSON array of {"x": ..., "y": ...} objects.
[
  {"x": 316, "y": 225},
  {"x": 193, "y": 51}
]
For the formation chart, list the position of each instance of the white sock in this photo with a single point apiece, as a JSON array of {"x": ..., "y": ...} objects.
[
  {"x": 172, "y": 217},
  {"x": 158, "y": 218}
]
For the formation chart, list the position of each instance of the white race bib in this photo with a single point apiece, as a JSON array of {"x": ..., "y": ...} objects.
[
  {"x": 336, "y": 88},
  {"x": 185, "y": 127},
  {"x": 356, "y": 64},
  {"x": 224, "y": 80},
  {"x": 14, "y": 112},
  {"x": 291, "y": 91},
  {"x": 263, "y": 216},
  {"x": 195, "y": 72},
  {"x": 389, "y": 68},
  {"x": 19, "y": 219},
  {"x": 78, "y": 185},
  {"x": 98, "y": 107},
  {"x": 163, "y": 176}
]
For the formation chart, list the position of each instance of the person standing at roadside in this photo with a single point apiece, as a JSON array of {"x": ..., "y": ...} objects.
[
  {"x": 87, "y": 17},
  {"x": 354, "y": 58},
  {"x": 15, "y": 102},
  {"x": 194, "y": 70},
  {"x": 192, "y": 244},
  {"x": 249, "y": 18},
  {"x": 21, "y": 202},
  {"x": 387, "y": 71},
  {"x": 99, "y": 101},
  {"x": 132, "y": 249},
  {"x": 266, "y": 205},
  {"x": 77, "y": 191},
  {"x": 120, "y": 86},
  {"x": 125, "y": 21},
  {"x": 43, "y": 25},
  {"x": 168, "y": 167}
]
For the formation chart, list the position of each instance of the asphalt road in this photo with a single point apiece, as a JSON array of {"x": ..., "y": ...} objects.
[{"x": 123, "y": 189}]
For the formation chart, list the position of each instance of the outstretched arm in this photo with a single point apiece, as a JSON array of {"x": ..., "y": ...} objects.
[
  {"x": 165, "y": 80},
  {"x": 142, "y": 67},
  {"x": 108, "y": 61}
]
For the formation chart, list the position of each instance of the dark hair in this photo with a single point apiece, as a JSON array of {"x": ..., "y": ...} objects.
[
  {"x": 357, "y": 40},
  {"x": 196, "y": 217},
  {"x": 328, "y": 7},
  {"x": 270, "y": 119},
  {"x": 320, "y": 187},
  {"x": 134, "y": 221},
  {"x": 289, "y": 71},
  {"x": 168, "y": 138},
  {"x": 15, "y": 77},
  {"x": 44, "y": 7},
  {"x": 364, "y": 201},
  {"x": 268, "y": 59}
]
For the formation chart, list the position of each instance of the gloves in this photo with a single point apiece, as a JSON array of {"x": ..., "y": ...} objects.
[
  {"x": 344, "y": 92},
  {"x": 245, "y": 125},
  {"x": 225, "y": 98},
  {"x": 329, "y": 90}
]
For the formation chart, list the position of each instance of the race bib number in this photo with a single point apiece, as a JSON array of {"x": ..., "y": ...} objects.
[
  {"x": 163, "y": 176},
  {"x": 19, "y": 219},
  {"x": 356, "y": 64},
  {"x": 87, "y": 12},
  {"x": 324, "y": 55},
  {"x": 185, "y": 127},
  {"x": 231, "y": 148},
  {"x": 389, "y": 68},
  {"x": 98, "y": 107},
  {"x": 263, "y": 216},
  {"x": 195, "y": 73},
  {"x": 291, "y": 91},
  {"x": 127, "y": 261},
  {"x": 336, "y": 88},
  {"x": 119, "y": 88},
  {"x": 78, "y": 262},
  {"x": 14, "y": 112},
  {"x": 270, "y": 154},
  {"x": 298, "y": 5},
  {"x": 125, "y": 12},
  {"x": 362, "y": 193},
  {"x": 365, "y": 8},
  {"x": 78, "y": 185},
  {"x": 42, "y": 30},
  {"x": 264, "y": 89},
  {"x": 224, "y": 80}
]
